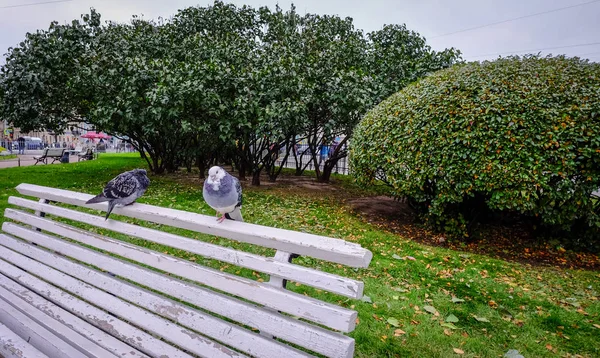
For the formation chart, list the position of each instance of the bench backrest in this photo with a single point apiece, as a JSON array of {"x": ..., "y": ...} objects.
[
  {"x": 55, "y": 152},
  {"x": 245, "y": 313}
]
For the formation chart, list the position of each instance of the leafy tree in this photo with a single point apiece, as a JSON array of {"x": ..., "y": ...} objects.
[
  {"x": 216, "y": 83},
  {"x": 349, "y": 75},
  {"x": 511, "y": 135},
  {"x": 282, "y": 89},
  {"x": 399, "y": 56},
  {"x": 36, "y": 79},
  {"x": 139, "y": 90},
  {"x": 224, "y": 38}
]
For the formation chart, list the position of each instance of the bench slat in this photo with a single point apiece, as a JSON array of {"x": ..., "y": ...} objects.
[
  {"x": 329, "y": 282},
  {"x": 39, "y": 337},
  {"x": 101, "y": 319},
  {"x": 58, "y": 329},
  {"x": 283, "y": 300},
  {"x": 227, "y": 333},
  {"x": 36, "y": 157},
  {"x": 303, "y": 334},
  {"x": 55, "y": 152},
  {"x": 101, "y": 338},
  {"x": 326, "y": 248},
  {"x": 11, "y": 345},
  {"x": 124, "y": 310}
]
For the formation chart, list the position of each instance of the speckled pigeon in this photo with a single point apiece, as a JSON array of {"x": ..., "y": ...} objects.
[
  {"x": 223, "y": 192},
  {"x": 123, "y": 189}
]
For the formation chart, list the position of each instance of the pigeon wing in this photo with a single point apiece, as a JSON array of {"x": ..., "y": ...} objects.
[
  {"x": 122, "y": 186},
  {"x": 238, "y": 189}
]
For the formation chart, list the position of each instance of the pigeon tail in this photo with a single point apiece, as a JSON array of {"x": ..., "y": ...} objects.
[
  {"x": 235, "y": 215},
  {"x": 111, "y": 205},
  {"x": 97, "y": 199}
]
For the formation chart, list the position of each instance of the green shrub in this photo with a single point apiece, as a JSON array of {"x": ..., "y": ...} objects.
[{"x": 511, "y": 135}]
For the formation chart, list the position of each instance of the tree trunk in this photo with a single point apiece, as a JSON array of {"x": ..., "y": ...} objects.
[
  {"x": 256, "y": 178},
  {"x": 189, "y": 163},
  {"x": 201, "y": 167},
  {"x": 326, "y": 173},
  {"x": 332, "y": 161},
  {"x": 242, "y": 171},
  {"x": 317, "y": 168},
  {"x": 159, "y": 167}
]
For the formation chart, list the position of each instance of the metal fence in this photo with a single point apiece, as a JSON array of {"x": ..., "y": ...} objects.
[
  {"x": 340, "y": 168},
  {"x": 14, "y": 145}
]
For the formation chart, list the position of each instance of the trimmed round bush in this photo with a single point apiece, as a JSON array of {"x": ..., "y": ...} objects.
[{"x": 514, "y": 134}]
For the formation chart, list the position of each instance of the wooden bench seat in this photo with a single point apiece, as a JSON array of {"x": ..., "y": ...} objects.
[
  {"x": 74, "y": 288},
  {"x": 50, "y": 153}
]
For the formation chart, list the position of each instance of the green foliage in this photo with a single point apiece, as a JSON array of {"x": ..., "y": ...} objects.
[
  {"x": 36, "y": 80},
  {"x": 398, "y": 57},
  {"x": 7, "y": 156},
  {"x": 513, "y": 135},
  {"x": 213, "y": 84}
]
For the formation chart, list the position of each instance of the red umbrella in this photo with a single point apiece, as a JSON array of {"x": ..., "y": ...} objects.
[{"x": 94, "y": 135}]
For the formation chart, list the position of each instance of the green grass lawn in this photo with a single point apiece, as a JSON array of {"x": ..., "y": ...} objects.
[
  {"x": 8, "y": 156},
  {"x": 422, "y": 301}
]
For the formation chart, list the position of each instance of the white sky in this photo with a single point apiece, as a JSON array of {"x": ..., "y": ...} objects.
[{"x": 574, "y": 26}]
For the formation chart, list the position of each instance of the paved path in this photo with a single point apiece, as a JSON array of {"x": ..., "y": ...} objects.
[
  {"x": 23, "y": 160},
  {"x": 27, "y": 159}
]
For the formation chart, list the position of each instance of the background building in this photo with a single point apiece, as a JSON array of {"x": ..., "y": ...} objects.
[{"x": 70, "y": 136}]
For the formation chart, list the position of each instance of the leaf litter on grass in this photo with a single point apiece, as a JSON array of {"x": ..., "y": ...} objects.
[{"x": 428, "y": 276}]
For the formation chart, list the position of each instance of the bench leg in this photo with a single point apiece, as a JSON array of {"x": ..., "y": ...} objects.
[
  {"x": 277, "y": 281},
  {"x": 41, "y": 213}
]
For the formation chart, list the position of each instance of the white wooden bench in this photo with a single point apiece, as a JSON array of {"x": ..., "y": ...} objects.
[{"x": 69, "y": 291}]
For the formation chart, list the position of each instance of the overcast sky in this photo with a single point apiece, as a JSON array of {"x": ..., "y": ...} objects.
[{"x": 557, "y": 31}]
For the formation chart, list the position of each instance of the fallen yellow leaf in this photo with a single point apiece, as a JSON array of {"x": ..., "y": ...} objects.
[
  {"x": 447, "y": 332},
  {"x": 399, "y": 332},
  {"x": 458, "y": 351}
]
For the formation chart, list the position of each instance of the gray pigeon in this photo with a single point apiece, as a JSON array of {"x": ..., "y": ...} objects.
[
  {"x": 223, "y": 192},
  {"x": 124, "y": 189}
]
